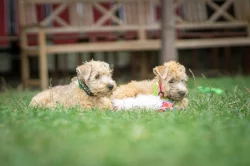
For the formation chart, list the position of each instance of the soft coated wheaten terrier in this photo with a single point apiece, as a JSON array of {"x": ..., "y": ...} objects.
[
  {"x": 169, "y": 83},
  {"x": 90, "y": 89}
]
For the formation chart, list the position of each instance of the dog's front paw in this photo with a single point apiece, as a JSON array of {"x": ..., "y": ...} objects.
[{"x": 182, "y": 104}]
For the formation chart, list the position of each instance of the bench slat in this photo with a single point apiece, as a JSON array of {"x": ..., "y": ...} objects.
[
  {"x": 212, "y": 43},
  {"x": 139, "y": 45}
]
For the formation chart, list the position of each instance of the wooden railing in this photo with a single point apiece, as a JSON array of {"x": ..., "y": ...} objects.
[{"x": 134, "y": 15}]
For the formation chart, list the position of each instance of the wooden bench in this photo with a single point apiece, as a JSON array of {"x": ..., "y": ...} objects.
[
  {"x": 214, "y": 24},
  {"x": 128, "y": 17},
  {"x": 81, "y": 22}
]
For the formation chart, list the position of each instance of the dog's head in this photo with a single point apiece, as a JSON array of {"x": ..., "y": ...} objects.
[
  {"x": 97, "y": 76},
  {"x": 173, "y": 77}
]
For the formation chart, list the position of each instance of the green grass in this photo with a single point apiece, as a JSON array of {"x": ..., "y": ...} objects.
[{"x": 214, "y": 130}]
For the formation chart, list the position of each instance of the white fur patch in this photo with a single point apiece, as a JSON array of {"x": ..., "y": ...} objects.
[{"x": 148, "y": 102}]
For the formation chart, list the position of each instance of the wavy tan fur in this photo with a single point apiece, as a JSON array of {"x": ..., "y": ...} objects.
[
  {"x": 173, "y": 77},
  {"x": 96, "y": 75}
]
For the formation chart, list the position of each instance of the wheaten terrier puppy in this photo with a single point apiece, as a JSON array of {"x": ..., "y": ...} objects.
[
  {"x": 169, "y": 83},
  {"x": 90, "y": 89}
]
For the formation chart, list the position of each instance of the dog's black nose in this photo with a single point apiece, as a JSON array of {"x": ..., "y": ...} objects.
[
  {"x": 182, "y": 93},
  {"x": 110, "y": 86}
]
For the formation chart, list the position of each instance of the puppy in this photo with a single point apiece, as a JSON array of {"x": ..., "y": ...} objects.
[
  {"x": 90, "y": 89},
  {"x": 169, "y": 84}
]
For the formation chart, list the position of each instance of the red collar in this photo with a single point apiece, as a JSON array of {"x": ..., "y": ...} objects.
[{"x": 161, "y": 93}]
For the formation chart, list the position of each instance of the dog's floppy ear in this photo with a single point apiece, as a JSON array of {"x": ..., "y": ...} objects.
[
  {"x": 83, "y": 71},
  {"x": 161, "y": 71}
]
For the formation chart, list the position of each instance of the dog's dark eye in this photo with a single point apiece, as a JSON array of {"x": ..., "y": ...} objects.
[
  {"x": 183, "y": 80},
  {"x": 171, "y": 81},
  {"x": 97, "y": 76}
]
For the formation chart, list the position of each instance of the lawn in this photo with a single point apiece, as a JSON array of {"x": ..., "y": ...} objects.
[{"x": 214, "y": 130}]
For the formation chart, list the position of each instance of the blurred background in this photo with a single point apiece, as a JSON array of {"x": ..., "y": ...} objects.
[{"x": 42, "y": 41}]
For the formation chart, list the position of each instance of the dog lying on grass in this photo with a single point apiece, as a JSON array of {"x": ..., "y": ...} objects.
[
  {"x": 90, "y": 89},
  {"x": 169, "y": 85}
]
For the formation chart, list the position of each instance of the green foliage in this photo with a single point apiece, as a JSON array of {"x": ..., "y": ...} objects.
[{"x": 214, "y": 130}]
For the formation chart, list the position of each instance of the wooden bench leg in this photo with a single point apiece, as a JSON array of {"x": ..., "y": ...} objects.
[
  {"x": 43, "y": 60},
  {"x": 25, "y": 69}
]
